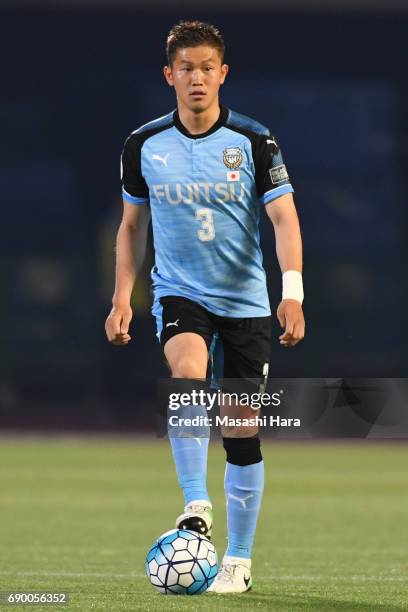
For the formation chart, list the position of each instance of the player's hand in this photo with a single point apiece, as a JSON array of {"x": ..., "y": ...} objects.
[
  {"x": 291, "y": 319},
  {"x": 117, "y": 325}
]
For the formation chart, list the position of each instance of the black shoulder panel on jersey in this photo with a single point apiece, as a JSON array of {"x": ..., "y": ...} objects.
[
  {"x": 246, "y": 123},
  {"x": 132, "y": 179},
  {"x": 155, "y": 126},
  {"x": 265, "y": 149}
]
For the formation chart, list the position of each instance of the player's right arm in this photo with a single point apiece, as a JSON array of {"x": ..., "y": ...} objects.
[
  {"x": 129, "y": 258},
  {"x": 130, "y": 242}
]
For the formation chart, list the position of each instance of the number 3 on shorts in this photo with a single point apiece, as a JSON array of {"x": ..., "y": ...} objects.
[{"x": 207, "y": 230}]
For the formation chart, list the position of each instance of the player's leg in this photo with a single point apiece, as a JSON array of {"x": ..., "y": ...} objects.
[
  {"x": 246, "y": 351},
  {"x": 187, "y": 356},
  {"x": 185, "y": 338}
]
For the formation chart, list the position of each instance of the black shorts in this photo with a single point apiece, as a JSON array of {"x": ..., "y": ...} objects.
[{"x": 244, "y": 351}]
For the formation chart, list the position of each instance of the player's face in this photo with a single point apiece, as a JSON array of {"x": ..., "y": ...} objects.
[{"x": 196, "y": 74}]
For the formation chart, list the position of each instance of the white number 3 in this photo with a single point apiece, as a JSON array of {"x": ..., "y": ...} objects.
[{"x": 207, "y": 230}]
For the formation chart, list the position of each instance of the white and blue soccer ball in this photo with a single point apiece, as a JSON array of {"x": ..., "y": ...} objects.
[{"x": 182, "y": 562}]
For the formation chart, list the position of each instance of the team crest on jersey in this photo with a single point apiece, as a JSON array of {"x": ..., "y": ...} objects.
[{"x": 232, "y": 157}]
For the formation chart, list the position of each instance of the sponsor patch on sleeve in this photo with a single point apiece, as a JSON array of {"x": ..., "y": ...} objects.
[{"x": 278, "y": 174}]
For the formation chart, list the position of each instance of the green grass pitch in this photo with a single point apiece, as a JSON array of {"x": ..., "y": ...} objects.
[{"x": 79, "y": 515}]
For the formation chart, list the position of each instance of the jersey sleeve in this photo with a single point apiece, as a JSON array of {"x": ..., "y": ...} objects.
[
  {"x": 134, "y": 187},
  {"x": 271, "y": 177}
]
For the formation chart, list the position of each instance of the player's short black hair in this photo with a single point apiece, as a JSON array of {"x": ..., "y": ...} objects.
[{"x": 192, "y": 34}]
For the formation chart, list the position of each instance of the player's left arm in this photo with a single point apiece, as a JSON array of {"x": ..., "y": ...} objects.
[
  {"x": 282, "y": 212},
  {"x": 275, "y": 193}
]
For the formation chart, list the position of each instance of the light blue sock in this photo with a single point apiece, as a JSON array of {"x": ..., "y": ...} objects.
[
  {"x": 243, "y": 491},
  {"x": 190, "y": 451}
]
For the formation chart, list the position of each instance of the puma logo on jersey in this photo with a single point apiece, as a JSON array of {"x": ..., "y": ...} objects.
[
  {"x": 175, "y": 323},
  {"x": 271, "y": 141},
  {"x": 241, "y": 500},
  {"x": 162, "y": 159}
]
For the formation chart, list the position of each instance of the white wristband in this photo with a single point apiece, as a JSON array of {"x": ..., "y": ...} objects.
[{"x": 292, "y": 286}]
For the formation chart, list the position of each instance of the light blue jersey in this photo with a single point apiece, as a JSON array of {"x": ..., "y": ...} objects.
[{"x": 205, "y": 193}]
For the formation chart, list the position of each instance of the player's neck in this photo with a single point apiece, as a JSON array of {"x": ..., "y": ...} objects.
[{"x": 199, "y": 123}]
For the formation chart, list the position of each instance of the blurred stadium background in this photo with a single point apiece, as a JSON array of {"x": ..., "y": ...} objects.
[{"x": 329, "y": 78}]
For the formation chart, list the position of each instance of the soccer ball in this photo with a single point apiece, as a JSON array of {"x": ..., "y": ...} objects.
[{"x": 182, "y": 562}]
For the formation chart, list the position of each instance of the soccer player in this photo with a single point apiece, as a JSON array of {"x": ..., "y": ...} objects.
[{"x": 206, "y": 172}]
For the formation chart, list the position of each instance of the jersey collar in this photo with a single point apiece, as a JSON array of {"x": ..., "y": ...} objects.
[{"x": 222, "y": 119}]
